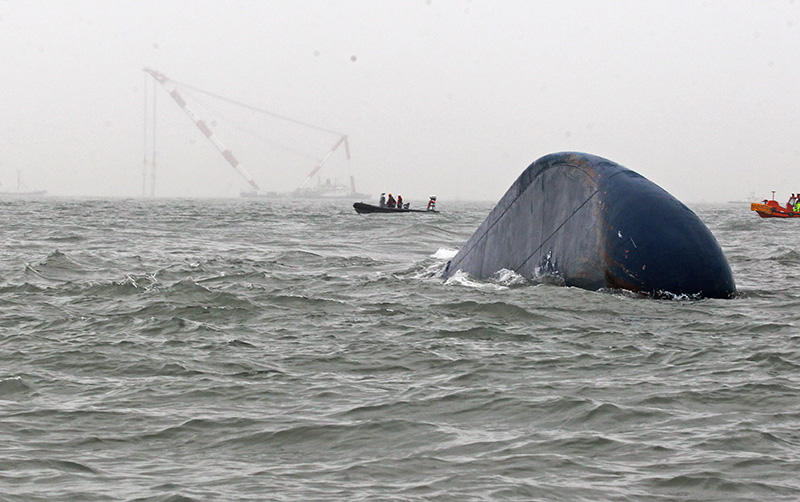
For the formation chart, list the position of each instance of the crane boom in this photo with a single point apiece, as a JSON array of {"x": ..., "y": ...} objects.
[
  {"x": 343, "y": 139},
  {"x": 172, "y": 90}
]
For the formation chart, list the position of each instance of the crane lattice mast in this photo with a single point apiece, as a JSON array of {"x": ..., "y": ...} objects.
[
  {"x": 172, "y": 89},
  {"x": 343, "y": 139}
]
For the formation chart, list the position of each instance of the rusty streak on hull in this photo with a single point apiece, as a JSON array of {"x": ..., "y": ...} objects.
[{"x": 596, "y": 225}]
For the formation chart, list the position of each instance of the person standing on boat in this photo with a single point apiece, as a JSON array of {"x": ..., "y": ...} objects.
[
  {"x": 391, "y": 202},
  {"x": 383, "y": 200},
  {"x": 432, "y": 203},
  {"x": 399, "y": 201},
  {"x": 792, "y": 202}
]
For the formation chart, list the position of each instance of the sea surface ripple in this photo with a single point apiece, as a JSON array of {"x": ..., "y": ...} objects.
[{"x": 218, "y": 350}]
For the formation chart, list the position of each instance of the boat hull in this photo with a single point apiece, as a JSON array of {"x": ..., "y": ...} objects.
[
  {"x": 364, "y": 208},
  {"x": 306, "y": 194},
  {"x": 771, "y": 211},
  {"x": 35, "y": 193}
]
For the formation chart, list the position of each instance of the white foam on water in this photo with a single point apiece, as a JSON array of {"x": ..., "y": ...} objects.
[
  {"x": 444, "y": 254},
  {"x": 461, "y": 278},
  {"x": 428, "y": 270},
  {"x": 505, "y": 277}
]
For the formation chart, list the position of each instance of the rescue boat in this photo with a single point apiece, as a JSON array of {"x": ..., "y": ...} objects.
[
  {"x": 774, "y": 209},
  {"x": 364, "y": 208}
]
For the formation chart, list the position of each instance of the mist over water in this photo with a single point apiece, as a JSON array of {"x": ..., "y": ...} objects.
[
  {"x": 446, "y": 97},
  {"x": 177, "y": 350}
]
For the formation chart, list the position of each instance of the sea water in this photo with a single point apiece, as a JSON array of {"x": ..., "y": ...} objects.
[{"x": 249, "y": 350}]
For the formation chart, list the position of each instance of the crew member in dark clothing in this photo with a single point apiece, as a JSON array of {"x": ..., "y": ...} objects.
[{"x": 390, "y": 202}]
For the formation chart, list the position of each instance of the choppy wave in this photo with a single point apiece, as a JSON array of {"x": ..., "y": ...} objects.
[
  {"x": 251, "y": 350},
  {"x": 444, "y": 254}
]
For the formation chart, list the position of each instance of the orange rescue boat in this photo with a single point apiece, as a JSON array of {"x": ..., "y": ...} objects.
[{"x": 774, "y": 209}]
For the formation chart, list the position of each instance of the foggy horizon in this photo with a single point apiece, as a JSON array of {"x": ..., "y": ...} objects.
[{"x": 453, "y": 98}]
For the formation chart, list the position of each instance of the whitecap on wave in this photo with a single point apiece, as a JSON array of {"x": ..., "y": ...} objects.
[
  {"x": 431, "y": 268},
  {"x": 444, "y": 254},
  {"x": 505, "y": 277},
  {"x": 427, "y": 270},
  {"x": 461, "y": 278}
]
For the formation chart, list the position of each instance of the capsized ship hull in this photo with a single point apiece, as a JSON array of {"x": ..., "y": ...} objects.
[{"x": 596, "y": 225}]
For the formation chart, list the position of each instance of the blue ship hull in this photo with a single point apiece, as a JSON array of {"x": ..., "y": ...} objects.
[{"x": 595, "y": 224}]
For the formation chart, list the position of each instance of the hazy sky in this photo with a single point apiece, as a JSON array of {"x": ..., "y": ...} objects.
[{"x": 446, "y": 97}]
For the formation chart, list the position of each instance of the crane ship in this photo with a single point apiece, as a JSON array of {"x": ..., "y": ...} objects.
[{"x": 307, "y": 190}]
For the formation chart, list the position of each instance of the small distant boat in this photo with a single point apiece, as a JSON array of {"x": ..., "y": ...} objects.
[
  {"x": 32, "y": 193},
  {"x": 21, "y": 190},
  {"x": 364, "y": 208},
  {"x": 774, "y": 209}
]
